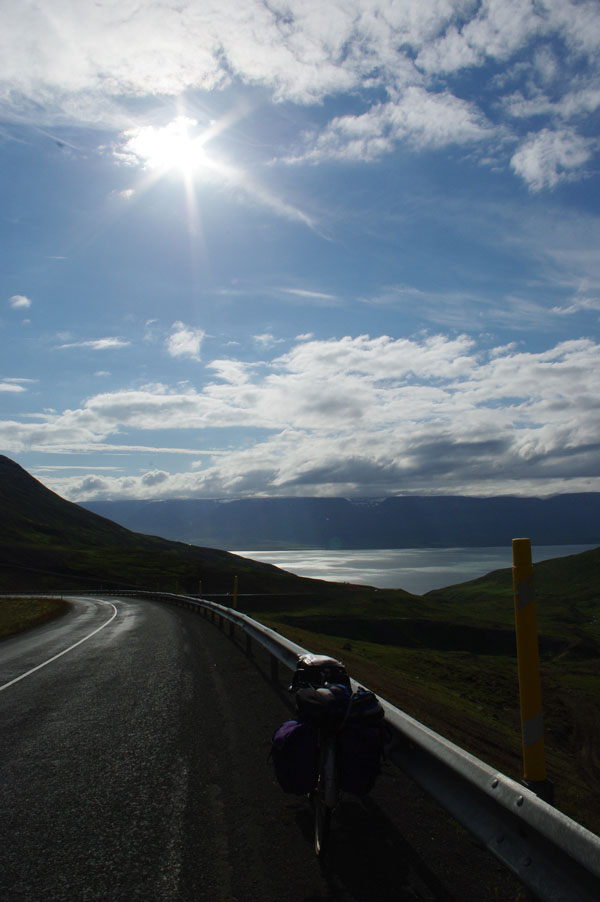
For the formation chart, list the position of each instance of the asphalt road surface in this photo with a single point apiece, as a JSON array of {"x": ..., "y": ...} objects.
[{"x": 134, "y": 766}]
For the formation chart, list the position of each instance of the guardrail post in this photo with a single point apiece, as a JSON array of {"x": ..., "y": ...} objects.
[
  {"x": 528, "y": 662},
  {"x": 235, "y": 591}
]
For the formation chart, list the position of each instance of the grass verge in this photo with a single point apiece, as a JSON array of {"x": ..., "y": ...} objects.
[{"x": 18, "y": 614}]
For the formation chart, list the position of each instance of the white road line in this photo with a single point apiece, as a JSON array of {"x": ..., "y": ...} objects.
[{"x": 61, "y": 653}]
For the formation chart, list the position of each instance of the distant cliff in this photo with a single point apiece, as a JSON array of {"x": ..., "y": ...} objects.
[{"x": 408, "y": 522}]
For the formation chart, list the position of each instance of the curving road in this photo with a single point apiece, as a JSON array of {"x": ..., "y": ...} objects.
[{"x": 134, "y": 767}]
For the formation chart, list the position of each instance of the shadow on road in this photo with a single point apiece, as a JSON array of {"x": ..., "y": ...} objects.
[{"x": 368, "y": 857}]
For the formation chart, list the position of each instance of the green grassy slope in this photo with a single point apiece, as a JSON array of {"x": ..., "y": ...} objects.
[{"x": 449, "y": 659}]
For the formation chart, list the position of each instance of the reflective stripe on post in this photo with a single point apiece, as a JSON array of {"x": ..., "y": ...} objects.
[{"x": 534, "y": 767}]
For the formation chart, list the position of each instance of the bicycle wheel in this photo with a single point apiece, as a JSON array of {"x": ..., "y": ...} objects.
[{"x": 322, "y": 823}]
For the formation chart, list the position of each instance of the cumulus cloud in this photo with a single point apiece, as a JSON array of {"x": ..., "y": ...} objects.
[
  {"x": 549, "y": 157},
  {"x": 360, "y": 415},
  {"x": 19, "y": 302},
  {"x": 232, "y": 371},
  {"x": 572, "y": 104},
  {"x": 184, "y": 341},
  {"x": 94, "y": 485},
  {"x": 155, "y": 477},
  {"x": 423, "y": 118},
  {"x": 498, "y": 29}
]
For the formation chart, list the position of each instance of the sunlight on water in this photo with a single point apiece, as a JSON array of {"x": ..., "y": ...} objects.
[{"x": 417, "y": 570}]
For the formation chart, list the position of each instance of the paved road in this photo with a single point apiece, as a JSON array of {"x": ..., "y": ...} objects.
[{"x": 134, "y": 767}]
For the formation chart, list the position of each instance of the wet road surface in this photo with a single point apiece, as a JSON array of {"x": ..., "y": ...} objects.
[{"x": 134, "y": 767}]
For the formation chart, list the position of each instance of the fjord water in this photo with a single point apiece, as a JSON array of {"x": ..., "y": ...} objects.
[{"x": 417, "y": 570}]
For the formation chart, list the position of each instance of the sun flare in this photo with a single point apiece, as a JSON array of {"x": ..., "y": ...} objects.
[{"x": 170, "y": 147}]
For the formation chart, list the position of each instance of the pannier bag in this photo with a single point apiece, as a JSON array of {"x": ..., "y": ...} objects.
[
  {"x": 295, "y": 756},
  {"x": 365, "y": 707},
  {"x": 360, "y": 749}
]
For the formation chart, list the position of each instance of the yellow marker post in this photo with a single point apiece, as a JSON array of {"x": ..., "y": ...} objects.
[
  {"x": 530, "y": 689},
  {"x": 235, "y": 591}
]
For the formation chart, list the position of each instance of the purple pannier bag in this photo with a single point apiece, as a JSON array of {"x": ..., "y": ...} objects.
[
  {"x": 295, "y": 756},
  {"x": 360, "y": 750}
]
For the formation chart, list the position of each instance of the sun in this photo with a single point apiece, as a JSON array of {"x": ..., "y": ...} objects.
[{"x": 170, "y": 147}]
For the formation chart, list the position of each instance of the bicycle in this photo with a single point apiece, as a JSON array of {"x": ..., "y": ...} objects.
[
  {"x": 335, "y": 743},
  {"x": 317, "y": 672}
]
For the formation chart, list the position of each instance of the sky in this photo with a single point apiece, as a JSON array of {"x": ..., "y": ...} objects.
[{"x": 294, "y": 248}]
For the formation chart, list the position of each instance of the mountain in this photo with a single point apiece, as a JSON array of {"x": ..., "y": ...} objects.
[
  {"x": 404, "y": 522},
  {"x": 48, "y": 543}
]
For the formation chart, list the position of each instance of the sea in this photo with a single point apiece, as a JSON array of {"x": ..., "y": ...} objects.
[{"x": 416, "y": 570}]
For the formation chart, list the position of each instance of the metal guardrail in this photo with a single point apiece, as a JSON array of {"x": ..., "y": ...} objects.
[{"x": 551, "y": 854}]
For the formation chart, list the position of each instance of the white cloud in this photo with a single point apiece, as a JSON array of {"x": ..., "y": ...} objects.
[
  {"x": 572, "y": 104},
  {"x": 549, "y": 157},
  {"x": 98, "y": 344},
  {"x": 267, "y": 340},
  {"x": 184, "y": 341},
  {"x": 422, "y": 118},
  {"x": 586, "y": 299},
  {"x": 233, "y": 371},
  {"x": 360, "y": 415},
  {"x": 92, "y": 63},
  {"x": 19, "y": 302},
  {"x": 154, "y": 478},
  {"x": 307, "y": 295},
  {"x": 498, "y": 30}
]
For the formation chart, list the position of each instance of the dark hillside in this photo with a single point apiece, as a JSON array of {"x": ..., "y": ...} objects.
[
  {"x": 48, "y": 543},
  {"x": 33, "y": 515}
]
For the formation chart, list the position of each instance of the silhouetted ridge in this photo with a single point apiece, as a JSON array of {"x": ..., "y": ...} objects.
[
  {"x": 47, "y": 542},
  {"x": 33, "y": 513}
]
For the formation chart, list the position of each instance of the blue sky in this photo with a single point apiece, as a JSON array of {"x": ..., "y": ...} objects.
[{"x": 301, "y": 248}]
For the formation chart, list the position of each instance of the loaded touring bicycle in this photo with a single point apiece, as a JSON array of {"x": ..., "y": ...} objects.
[{"x": 333, "y": 745}]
